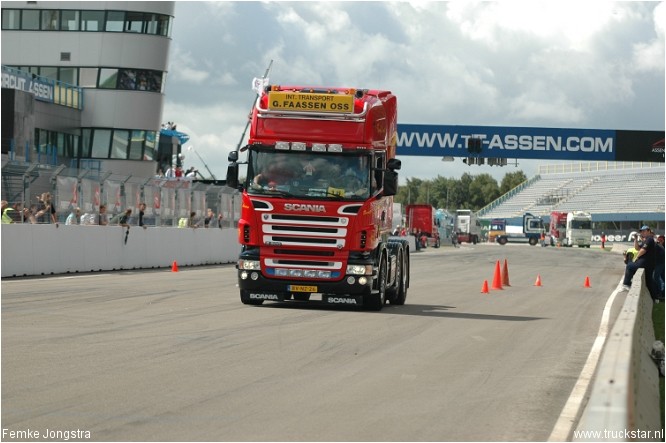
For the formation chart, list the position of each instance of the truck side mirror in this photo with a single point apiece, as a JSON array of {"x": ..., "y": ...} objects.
[
  {"x": 394, "y": 164},
  {"x": 232, "y": 175},
  {"x": 390, "y": 183}
]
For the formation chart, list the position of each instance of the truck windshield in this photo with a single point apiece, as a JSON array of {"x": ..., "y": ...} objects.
[
  {"x": 581, "y": 224},
  {"x": 302, "y": 174}
]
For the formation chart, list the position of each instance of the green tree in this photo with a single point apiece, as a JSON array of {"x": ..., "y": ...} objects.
[
  {"x": 483, "y": 189},
  {"x": 511, "y": 180}
]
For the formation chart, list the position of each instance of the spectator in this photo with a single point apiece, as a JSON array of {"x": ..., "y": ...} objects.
[
  {"x": 160, "y": 173},
  {"x": 142, "y": 211},
  {"x": 209, "y": 220},
  {"x": 6, "y": 218},
  {"x": 103, "y": 216},
  {"x": 191, "y": 221},
  {"x": 603, "y": 240},
  {"x": 179, "y": 172},
  {"x": 192, "y": 173},
  {"x": 220, "y": 220},
  {"x": 658, "y": 274},
  {"x": 73, "y": 217},
  {"x": 123, "y": 220},
  {"x": 46, "y": 212},
  {"x": 454, "y": 239},
  {"x": 645, "y": 258},
  {"x": 171, "y": 172}
]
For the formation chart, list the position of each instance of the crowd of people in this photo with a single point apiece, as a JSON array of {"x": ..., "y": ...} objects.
[{"x": 44, "y": 212}]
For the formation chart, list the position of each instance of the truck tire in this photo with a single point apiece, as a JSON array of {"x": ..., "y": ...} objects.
[
  {"x": 246, "y": 300},
  {"x": 376, "y": 300},
  {"x": 533, "y": 241},
  {"x": 501, "y": 240},
  {"x": 402, "y": 279}
]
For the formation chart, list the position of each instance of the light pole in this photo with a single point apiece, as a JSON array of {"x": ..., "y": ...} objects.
[{"x": 191, "y": 148}]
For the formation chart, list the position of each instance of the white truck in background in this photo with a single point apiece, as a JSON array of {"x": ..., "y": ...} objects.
[{"x": 579, "y": 229}]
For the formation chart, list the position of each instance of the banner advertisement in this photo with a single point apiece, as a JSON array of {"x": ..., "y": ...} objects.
[{"x": 531, "y": 143}]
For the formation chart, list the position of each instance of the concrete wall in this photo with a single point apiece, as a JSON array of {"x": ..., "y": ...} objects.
[
  {"x": 46, "y": 249},
  {"x": 624, "y": 399}
]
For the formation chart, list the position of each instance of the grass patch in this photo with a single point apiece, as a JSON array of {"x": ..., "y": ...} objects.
[{"x": 658, "y": 321}]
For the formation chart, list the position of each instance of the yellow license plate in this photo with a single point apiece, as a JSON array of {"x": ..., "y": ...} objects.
[
  {"x": 302, "y": 288},
  {"x": 307, "y": 102}
]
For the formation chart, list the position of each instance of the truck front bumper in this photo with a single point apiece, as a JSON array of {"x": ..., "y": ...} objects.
[{"x": 263, "y": 288}]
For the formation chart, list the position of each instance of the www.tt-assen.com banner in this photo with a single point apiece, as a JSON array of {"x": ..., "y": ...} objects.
[{"x": 532, "y": 143}]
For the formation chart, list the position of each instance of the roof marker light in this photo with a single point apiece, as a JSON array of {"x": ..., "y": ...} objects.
[
  {"x": 298, "y": 146},
  {"x": 282, "y": 145},
  {"x": 318, "y": 147},
  {"x": 334, "y": 148}
]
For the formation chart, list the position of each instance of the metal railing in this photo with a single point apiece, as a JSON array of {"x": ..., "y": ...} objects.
[{"x": 29, "y": 187}]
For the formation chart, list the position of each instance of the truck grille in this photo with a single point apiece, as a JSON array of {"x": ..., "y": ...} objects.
[{"x": 294, "y": 236}]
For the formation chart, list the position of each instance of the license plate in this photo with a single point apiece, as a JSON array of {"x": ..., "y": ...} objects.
[{"x": 302, "y": 288}]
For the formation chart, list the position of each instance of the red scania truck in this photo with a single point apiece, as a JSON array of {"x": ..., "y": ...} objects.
[{"x": 317, "y": 200}]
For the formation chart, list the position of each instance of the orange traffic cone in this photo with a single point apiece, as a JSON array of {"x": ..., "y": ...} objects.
[
  {"x": 538, "y": 280},
  {"x": 497, "y": 279},
  {"x": 587, "y": 282},
  {"x": 174, "y": 266},
  {"x": 484, "y": 288},
  {"x": 505, "y": 274}
]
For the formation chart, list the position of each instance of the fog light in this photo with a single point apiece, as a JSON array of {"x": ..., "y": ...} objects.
[
  {"x": 254, "y": 276},
  {"x": 362, "y": 280},
  {"x": 351, "y": 280},
  {"x": 243, "y": 275}
]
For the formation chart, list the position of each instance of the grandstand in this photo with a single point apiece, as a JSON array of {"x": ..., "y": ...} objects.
[{"x": 610, "y": 191}]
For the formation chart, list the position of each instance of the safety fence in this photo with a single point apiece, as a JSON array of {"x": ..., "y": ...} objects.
[{"x": 29, "y": 188}]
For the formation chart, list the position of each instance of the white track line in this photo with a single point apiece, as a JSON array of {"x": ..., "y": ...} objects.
[{"x": 564, "y": 426}]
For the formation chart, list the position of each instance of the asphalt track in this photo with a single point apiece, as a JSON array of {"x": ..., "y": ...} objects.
[{"x": 166, "y": 356}]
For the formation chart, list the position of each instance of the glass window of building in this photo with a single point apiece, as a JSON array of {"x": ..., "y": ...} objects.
[
  {"x": 115, "y": 21},
  {"x": 136, "y": 145},
  {"x": 127, "y": 79},
  {"x": 11, "y": 19},
  {"x": 88, "y": 77},
  {"x": 108, "y": 78},
  {"x": 50, "y": 20},
  {"x": 86, "y": 138},
  {"x": 135, "y": 22},
  {"x": 120, "y": 144},
  {"x": 149, "y": 151},
  {"x": 69, "y": 76},
  {"x": 101, "y": 143},
  {"x": 69, "y": 20},
  {"x": 163, "y": 25},
  {"x": 92, "y": 21},
  {"x": 50, "y": 72},
  {"x": 30, "y": 20}
]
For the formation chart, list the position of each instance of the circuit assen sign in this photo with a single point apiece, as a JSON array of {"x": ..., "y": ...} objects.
[
  {"x": 532, "y": 143},
  {"x": 41, "y": 88}
]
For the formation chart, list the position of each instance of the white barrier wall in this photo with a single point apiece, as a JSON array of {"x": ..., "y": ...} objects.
[
  {"x": 46, "y": 249},
  {"x": 624, "y": 401}
]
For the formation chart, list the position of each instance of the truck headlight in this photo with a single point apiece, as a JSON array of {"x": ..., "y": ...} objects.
[
  {"x": 249, "y": 264},
  {"x": 359, "y": 269}
]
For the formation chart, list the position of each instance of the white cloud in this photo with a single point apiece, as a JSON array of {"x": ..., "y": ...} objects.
[{"x": 550, "y": 64}]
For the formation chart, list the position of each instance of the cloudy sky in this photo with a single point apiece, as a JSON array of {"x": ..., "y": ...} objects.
[{"x": 595, "y": 65}]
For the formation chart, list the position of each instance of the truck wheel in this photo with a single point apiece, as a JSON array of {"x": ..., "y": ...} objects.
[
  {"x": 246, "y": 300},
  {"x": 474, "y": 240},
  {"x": 501, "y": 241},
  {"x": 533, "y": 241},
  {"x": 403, "y": 269},
  {"x": 375, "y": 301}
]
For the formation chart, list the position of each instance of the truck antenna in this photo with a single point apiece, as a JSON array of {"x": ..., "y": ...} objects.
[{"x": 268, "y": 69}]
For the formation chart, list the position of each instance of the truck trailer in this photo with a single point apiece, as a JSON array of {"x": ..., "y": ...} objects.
[{"x": 317, "y": 200}]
